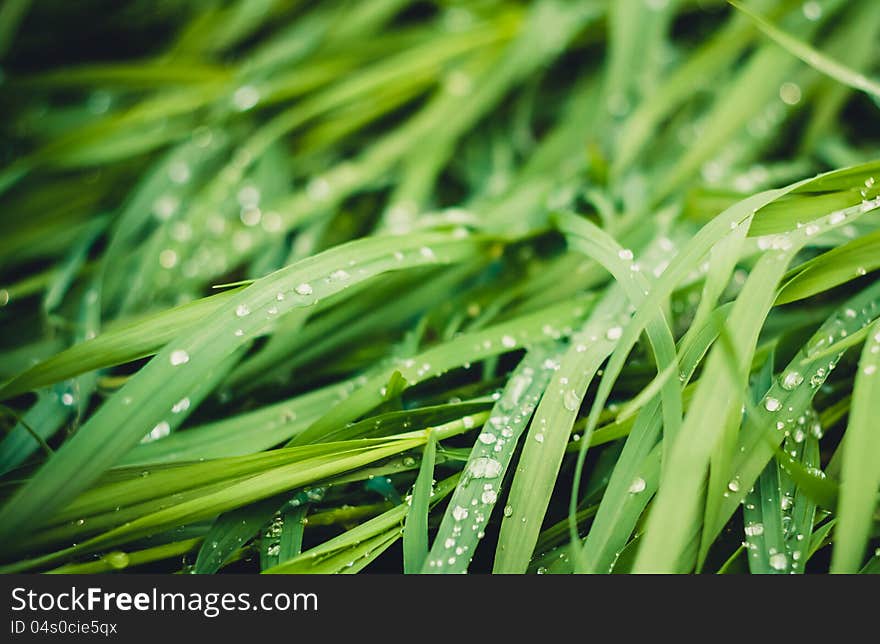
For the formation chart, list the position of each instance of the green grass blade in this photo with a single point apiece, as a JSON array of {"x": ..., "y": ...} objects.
[
  {"x": 860, "y": 475},
  {"x": 229, "y": 532},
  {"x": 415, "y": 528},
  {"x": 813, "y": 57}
]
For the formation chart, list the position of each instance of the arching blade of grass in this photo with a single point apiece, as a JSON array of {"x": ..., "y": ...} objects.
[
  {"x": 119, "y": 344},
  {"x": 833, "y": 268},
  {"x": 635, "y": 477},
  {"x": 689, "y": 256},
  {"x": 786, "y": 403},
  {"x": 290, "y": 349},
  {"x": 415, "y": 528},
  {"x": 500, "y": 338},
  {"x": 243, "y": 434},
  {"x": 539, "y": 463},
  {"x": 480, "y": 487},
  {"x": 548, "y": 437},
  {"x": 146, "y": 398},
  {"x": 812, "y": 57},
  {"x": 677, "y": 504},
  {"x": 860, "y": 474}
]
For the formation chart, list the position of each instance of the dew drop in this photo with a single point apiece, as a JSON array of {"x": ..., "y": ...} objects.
[
  {"x": 790, "y": 381},
  {"x": 245, "y": 97},
  {"x": 778, "y": 561},
  {"x": 485, "y": 468},
  {"x": 159, "y": 431},
  {"x": 168, "y": 258},
  {"x": 790, "y": 93},
  {"x": 836, "y": 217},
  {"x": 754, "y": 529},
  {"x": 812, "y": 10},
  {"x": 117, "y": 560},
  {"x": 638, "y": 485},
  {"x": 179, "y": 172},
  {"x": 571, "y": 401},
  {"x": 179, "y": 357}
]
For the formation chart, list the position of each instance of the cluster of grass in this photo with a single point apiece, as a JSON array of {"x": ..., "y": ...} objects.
[{"x": 484, "y": 286}]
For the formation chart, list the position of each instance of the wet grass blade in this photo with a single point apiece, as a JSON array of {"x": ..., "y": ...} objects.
[
  {"x": 860, "y": 474},
  {"x": 481, "y": 485},
  {"x": 146, "y": 399},
  {"x": 230, "y": 531}
]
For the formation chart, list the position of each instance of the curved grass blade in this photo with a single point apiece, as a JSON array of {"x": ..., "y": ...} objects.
[
  {"x": 637, "y": 473},
  {"x": 786, "y": 403},
  {"x": 540, "y": 462},
  {"x": 860, "y": 473},
  {"x": 836, "y": 267},
  {"x": 813, "y": 57},
  {"x": 243, "y": 434},
  {"x": 503, "y": 337},
  {"x": 118, "y": 344}
]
